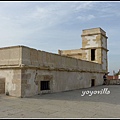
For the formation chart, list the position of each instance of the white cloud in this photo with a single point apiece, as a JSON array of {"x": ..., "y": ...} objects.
[
  {"x": 21, "y": 20},
  {"x": 56, "y": 13},
  {"x": 83, "y": 6},
  {"x": 86, "y": 18}
]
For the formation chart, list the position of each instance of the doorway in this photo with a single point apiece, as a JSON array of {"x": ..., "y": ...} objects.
[{"x": 92, "y": 82}]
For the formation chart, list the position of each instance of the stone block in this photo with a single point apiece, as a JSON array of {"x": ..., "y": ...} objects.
[
  {"x": 16, "y": 81},
  {"x": 2, "y": 80},
  {"x": 40, "y": 58},
  {"x": 23, "y": 81},
  {"x": 44, "y": 77},
  {"x": 2, "y": 91},
  {"x": 26, "y": 56},
  {"x": 34, "y": 57},
  {"x": 17, "y": 76},
  {"x": 26, "y": 86},
  {"x": 25, "y": 76},
  {"x": 2, "y": 86}
]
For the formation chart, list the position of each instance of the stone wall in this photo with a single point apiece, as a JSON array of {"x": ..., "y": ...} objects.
[
  {"x": 95, "y": 38},
  {"x": 59, "y": 81},
  {"x": 63, "y": 73},
  {"x": 12, "y": 79},
  {"x": 10, "y": 56},
  {"x": 92, "y": 39},
  {"x": 2, "y": 85},
  {"x": 45, "y": 60},
  {"x": 23, "y": 76},
  {"x": 74, "y": 53}
]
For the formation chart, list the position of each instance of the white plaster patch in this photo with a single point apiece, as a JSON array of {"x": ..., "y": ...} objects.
[
  {"x": 9, "y": 76},
  {"x": 13, "y": 86},
  {"x": 91, "y": 42},
  {"x": 87, "y": 51}
]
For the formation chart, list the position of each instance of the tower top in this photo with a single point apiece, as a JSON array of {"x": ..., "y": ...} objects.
[{"x": 93, "y": 31}]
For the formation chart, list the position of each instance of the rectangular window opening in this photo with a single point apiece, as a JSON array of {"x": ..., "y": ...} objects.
[
  {"x": 92, "y": 54},
  {"x": 45, "y": 85}
]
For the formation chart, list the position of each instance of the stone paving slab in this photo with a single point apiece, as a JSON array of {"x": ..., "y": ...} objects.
[{"x": 68, "y": 104}]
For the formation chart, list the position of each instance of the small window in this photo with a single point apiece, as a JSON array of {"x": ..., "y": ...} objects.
[
  {"x": 92, "y": 54},
  {"x": 45, "y": 85}
]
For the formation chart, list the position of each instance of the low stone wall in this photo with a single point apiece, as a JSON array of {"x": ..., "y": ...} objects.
[
  {"x": 36, "y": 58},
  {"x": 113, "y": 82}
]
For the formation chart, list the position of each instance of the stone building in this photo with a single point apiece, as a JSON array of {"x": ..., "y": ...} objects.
[{"x": 26, "y": 71}]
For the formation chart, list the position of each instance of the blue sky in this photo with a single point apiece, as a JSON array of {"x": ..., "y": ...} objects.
[{"x": 50, "y": 26}]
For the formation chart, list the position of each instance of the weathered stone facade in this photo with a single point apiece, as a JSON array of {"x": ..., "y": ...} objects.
[
  {"x": 96, "y": 39},
  {"x": 26, "y": 71}
]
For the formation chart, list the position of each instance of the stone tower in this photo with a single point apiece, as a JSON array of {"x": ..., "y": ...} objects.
[{"x": 94, "y": 46}]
